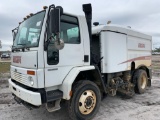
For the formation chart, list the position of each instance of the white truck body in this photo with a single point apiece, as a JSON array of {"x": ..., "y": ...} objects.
[
  {"x": 116, "y": 59},
  {"x": 120, "y": 46}
]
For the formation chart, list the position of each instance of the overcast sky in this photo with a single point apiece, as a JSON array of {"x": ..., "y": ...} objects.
[{"x": 142, "y": 15}]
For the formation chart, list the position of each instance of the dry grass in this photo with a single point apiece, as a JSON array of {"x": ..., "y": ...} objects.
[
  {"x": 4, "y": 67},
  {"x": 156, "y": 62}
]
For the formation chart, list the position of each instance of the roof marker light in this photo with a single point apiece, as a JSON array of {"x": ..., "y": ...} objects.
[
  {"x": 31, "y": 14},
  {"x": 45, "y": 7},
  {"x": 27, "y": 16}
]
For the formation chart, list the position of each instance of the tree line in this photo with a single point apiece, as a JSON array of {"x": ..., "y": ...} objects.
[{"x": 156, "y": 50}]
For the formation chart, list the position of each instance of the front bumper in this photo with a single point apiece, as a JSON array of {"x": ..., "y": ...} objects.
[{"x": 31, "y": 97}]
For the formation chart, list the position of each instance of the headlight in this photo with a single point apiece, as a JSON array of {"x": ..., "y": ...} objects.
[{"x": 30, "y": 80}]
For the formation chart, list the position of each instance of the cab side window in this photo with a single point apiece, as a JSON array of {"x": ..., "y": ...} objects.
[{"x": 70, "y": 29}]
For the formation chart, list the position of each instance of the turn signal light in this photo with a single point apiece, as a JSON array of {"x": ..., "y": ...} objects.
[
  {"x": 30, "y": 72},
  {"x": 70, "y": 93}
]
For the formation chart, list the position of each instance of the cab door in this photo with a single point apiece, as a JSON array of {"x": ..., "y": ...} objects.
[{"x": 58, "y": 63}]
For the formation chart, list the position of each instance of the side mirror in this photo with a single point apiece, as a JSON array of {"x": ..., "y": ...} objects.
[
  {"x": 14, "y": 33},
  {"x": 55, "y": 15},
  {"x": 55, "y": 21},
  {"x": 54, "y": 26},
  {"x": 59, "y": 44}
]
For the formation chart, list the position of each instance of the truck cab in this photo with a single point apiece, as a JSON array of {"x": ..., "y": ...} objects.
[{"x": 37, "y": 68}]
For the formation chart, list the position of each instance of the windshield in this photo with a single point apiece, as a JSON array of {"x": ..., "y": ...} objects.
[{"x": 29, "y": 31}]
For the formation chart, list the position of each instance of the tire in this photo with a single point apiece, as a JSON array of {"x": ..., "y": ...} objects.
[
  {"x": 85, "y": 101},
  {"x": 141, "y": 81}
]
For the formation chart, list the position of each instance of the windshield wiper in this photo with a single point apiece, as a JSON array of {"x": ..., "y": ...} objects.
[
  {"x": 21, "y": 44},
  {"x": 23, "y": 48},
  {"x": 15, "y": 49}
]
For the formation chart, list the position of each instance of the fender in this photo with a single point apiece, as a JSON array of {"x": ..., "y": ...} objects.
[{"x": 67, "y": 83}]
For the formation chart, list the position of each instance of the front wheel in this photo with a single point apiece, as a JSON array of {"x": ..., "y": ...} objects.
[{"x": 85, "y": 100}]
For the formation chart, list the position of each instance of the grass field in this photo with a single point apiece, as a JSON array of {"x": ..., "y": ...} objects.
[
  {"x": 156, "y": 63},
  {"x": 4, "y": 67}
]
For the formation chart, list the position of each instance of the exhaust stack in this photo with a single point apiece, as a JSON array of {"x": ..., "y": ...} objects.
[{"x": 87, "y": 8}]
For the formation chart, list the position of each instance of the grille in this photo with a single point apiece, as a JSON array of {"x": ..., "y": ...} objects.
[{"x": 19, "y": 77}]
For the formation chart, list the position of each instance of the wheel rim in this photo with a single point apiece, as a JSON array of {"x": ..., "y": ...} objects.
[
  {"x": 87, "y": 102},
  {"x": 143, "y": 82}
]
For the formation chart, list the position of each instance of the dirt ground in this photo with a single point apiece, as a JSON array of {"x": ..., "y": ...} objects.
[{"x": 141, "y": 107}]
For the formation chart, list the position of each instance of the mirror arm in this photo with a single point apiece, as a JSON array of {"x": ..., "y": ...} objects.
[
  {"x": 46, "y": 43},
  {"x": 58, "y": 37},
  {"x": 14, "y": 33}
]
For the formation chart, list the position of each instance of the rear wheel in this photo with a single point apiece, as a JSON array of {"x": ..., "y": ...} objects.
[
  {"x": 85, "y": 101},
  {"x": 141, "y": 79}
]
